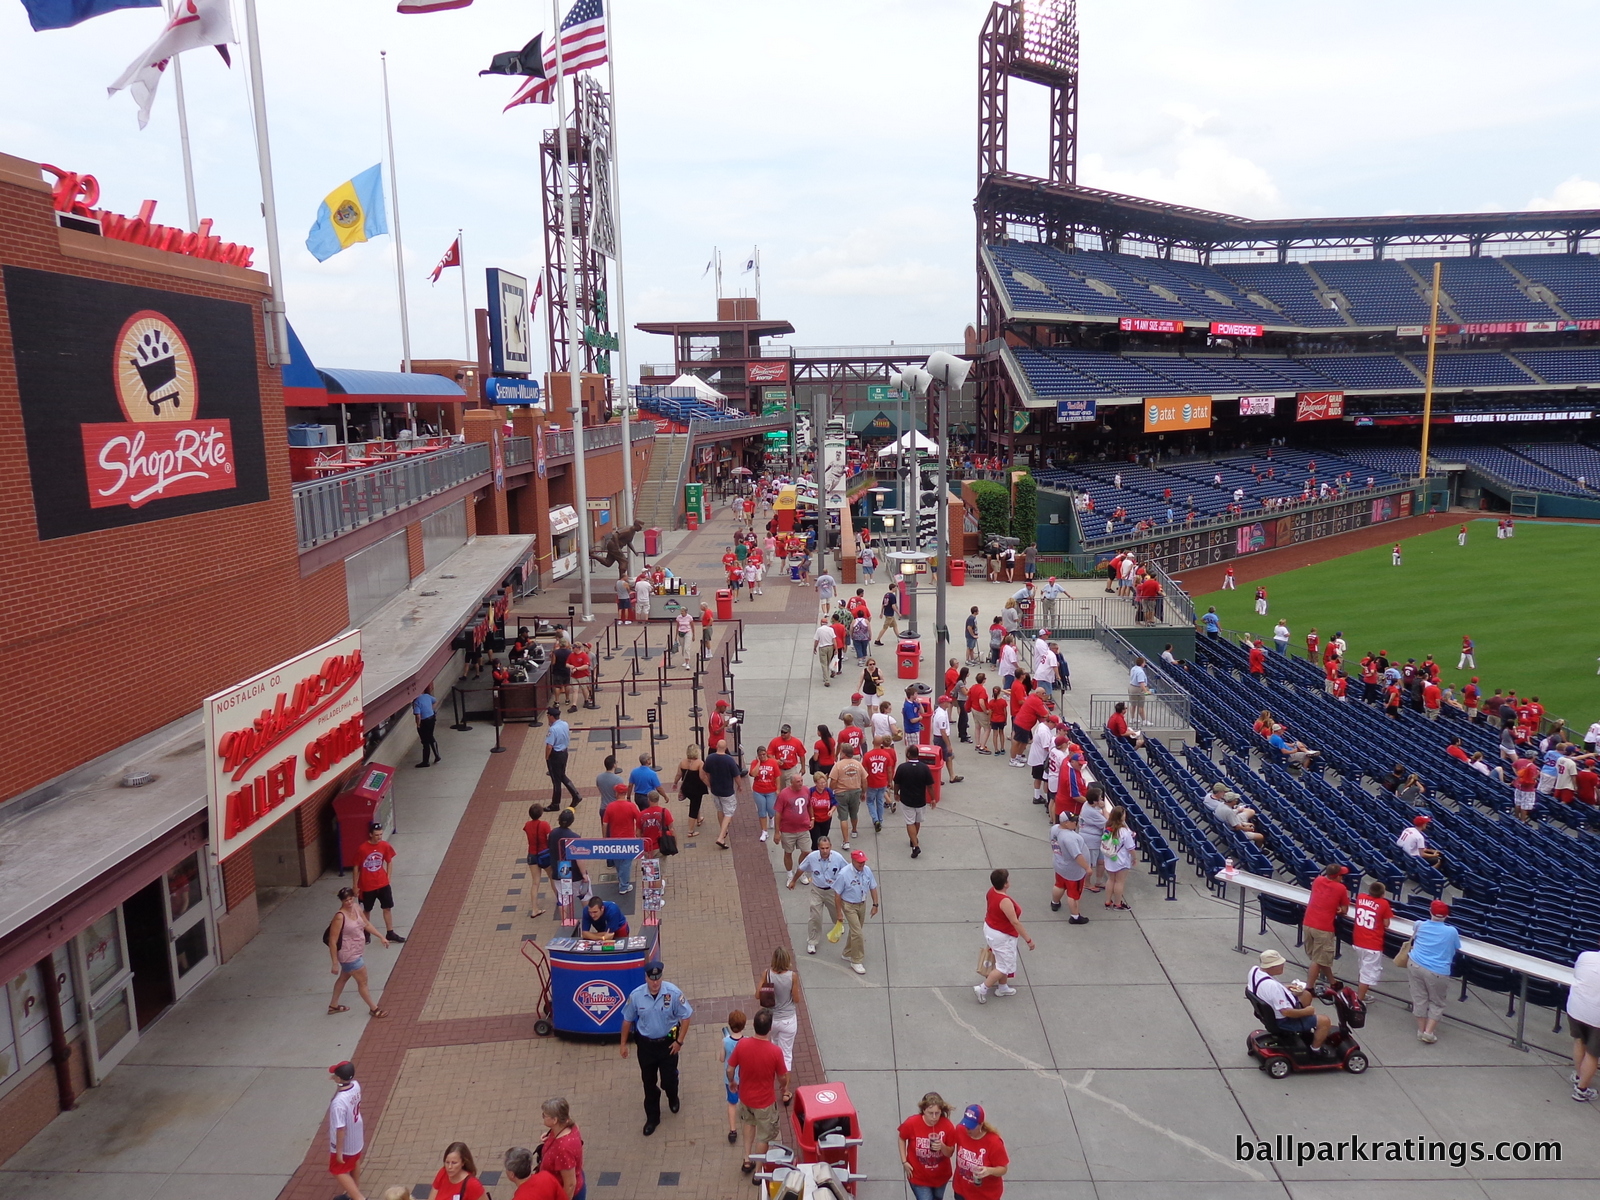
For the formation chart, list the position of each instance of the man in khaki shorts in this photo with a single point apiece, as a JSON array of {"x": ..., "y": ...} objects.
[
  {"x": 848, "y": 779},
  {"x": 1330, "y": 899},
  {"x": 757, "y": 1070}
]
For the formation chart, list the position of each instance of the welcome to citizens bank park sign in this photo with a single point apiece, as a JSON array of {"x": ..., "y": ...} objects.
[{"x": 271, "y": 741}]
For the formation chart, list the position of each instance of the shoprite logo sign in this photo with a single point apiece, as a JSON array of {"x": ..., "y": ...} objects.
[
  {"x": 137, "y": 404},
  {"x": 162, "y": 449}
]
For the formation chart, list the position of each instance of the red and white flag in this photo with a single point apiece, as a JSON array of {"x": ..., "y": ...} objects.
[
  {"x": 195, "y": 23},
  {"x": 538, "y": 287},
  {"x": 427, "y": 6},
  {"x": 583, "y": 47},
  {"x": 452, "y": 258}
]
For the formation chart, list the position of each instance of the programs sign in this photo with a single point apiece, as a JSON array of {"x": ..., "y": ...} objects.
[{"x": 273, "y": 740}]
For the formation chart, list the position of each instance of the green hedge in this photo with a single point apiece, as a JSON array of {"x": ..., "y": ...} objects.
[
  {"x": 994, "y": 507},
  {"x": 1025, "y": 512}
]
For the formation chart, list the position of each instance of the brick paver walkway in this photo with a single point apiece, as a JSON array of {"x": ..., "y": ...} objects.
[{"x": 458, "y": 1058}]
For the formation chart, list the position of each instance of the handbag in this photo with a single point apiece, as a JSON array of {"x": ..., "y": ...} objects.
[
  {"x": 986, "y": 961},
  {"x": 767, "y": 993},
  {"x": 667, "y": 845},
  {"x": 1403, "y": 957}
]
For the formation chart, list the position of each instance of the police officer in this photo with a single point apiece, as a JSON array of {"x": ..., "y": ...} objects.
[{"x": 660, "y": 1014}]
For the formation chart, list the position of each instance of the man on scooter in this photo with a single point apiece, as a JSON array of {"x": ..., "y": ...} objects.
[{"x": 1296, "y": 1012}]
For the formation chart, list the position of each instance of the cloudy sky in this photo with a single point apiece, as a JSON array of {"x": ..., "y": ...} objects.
[{"x": 838, "y": 135}]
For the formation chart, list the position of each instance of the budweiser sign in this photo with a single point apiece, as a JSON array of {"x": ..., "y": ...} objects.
[
  {"x": 75, "y": 195},
  {"x": 272, "y": 740},
  {"x": 1149, "y": 325},
  {"x": 767, "y": 372},
  {"x": 1236, "y": 329},
  {"x": 1318, "y": 406}
]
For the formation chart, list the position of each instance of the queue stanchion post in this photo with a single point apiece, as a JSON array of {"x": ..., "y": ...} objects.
[
  {"x": 633, "y": 677},
  {"x": 460, "y": 708},
  {"x": 497, "y": 748}
]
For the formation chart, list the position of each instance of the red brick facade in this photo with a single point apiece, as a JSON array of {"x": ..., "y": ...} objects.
[{"x": 180, "y": 607}]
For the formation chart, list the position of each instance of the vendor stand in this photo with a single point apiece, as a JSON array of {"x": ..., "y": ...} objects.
[{"x": 589, "y": 980}]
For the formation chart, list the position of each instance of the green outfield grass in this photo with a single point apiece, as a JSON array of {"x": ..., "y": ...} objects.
[{"x": 1528, "y": 601}]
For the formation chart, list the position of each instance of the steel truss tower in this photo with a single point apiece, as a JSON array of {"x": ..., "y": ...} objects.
[{"x": 592, "y": 238}]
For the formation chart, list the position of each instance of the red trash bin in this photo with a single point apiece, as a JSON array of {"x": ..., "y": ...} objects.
[
  {"x": 934, "y": 757},
  {"x": 652, "y": 542},
  {"x": 958, "y": 570},
  {"x": 826, "y": 1127},
  {"x": 724, "y": 604},
  {"x": 694, "y": 520},
  {"x": 908, "y": 653},
  {"x": 925, "y": 708}
]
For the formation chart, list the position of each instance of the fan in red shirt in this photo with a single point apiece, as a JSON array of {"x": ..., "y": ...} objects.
[
  {"x": 1430, "y": 700},
  {"x": 1258, "y": 660},
  {"x": 730, "y": 563},
  {"x": 852, "y": 735},
  {"x": 1469, "y": 698},
  {"x": 880, "y": 762},
  {"x": 1329, "y": 899},
  {"x": 621, "y": 816},
  {"x": 1312, "y": 641},
  {"x": 789, "y": 750},
  {"x": 719, "y": 722},
  {"x": 372, "y": 878},
  {"x": 927, "y": 1143},
  {"x": 578, "y": 665},
  {"x": 981, "y": 1160},
  {"x": 1371, "y": 918},
  {"x": 765, "y": 774},
  {"x": 1588, "y": 782},
  {"x": 538, "y": 832},
  {"x": 757, "y": 1071},
  {"x": 653, "y": 822}
]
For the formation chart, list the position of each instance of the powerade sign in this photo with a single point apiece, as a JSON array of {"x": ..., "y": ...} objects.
[
  {"x": 512, "y": 391},
  {"x": 1073, "y": 412}
]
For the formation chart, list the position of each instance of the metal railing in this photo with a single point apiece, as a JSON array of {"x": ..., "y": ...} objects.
[
  {"x": 1176, "y": 605},
  {"x": 1156, "y": 710},
  {"x": 558, "y": 442},
  {"x": 327, "y": 508},
  {"x": 1086, "y": 612},
  {"x": 518, "y": 451},
  {"x": 907, "y": 351}
]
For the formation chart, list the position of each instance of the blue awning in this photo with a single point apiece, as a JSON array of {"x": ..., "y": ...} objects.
[
  {"x": 302, "y": 386},
  {"x": 378, "y": 387}
]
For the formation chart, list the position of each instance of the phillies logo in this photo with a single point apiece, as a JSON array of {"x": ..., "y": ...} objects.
[
  {"x": 598, "y": 999},
  {"x": 161, "y": 449}
]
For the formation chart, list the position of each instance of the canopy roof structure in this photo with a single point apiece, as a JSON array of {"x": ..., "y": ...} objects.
[{"x": 915, "y": 440}]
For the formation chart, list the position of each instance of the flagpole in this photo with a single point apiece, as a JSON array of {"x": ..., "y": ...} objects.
[
  {"x": 466, "y": 314},
  {"x": 717, "y": 254},
  {"x": 278, "y": 321},
  {"x": 574, "y": 377},
  {"x": 399, "y": 252},
  {"x": 758, "y": 279},
  {"x": 183, "y": 138},
  {"x": 619, "y": 299}
]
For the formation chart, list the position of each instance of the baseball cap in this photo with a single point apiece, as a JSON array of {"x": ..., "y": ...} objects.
[
  {"x": 654, "y": 970},
  {"x": 1439, "y": 908},
  {"x": 1066, "y": 816},
  {"x": 620, "y": 789},
  {"x": 554, "y": 710},
  {"x": 343, "y": 1070},
  {"x": 855, "y": 698},
  {"x": 1271, "y": 958},
  {"x": 722, "y": 704},
  {"x": 944, "y": 699},
  {"x": 376, "y": 825},
  {"x": 787, "y": 729},
  {"x": 1419, "y": 822},
  {"x": 973, "y": 1117},
  {"x": 858, "y": 857}
]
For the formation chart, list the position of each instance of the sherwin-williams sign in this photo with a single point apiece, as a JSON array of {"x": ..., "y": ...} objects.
[{"x": 137, "y": 404}]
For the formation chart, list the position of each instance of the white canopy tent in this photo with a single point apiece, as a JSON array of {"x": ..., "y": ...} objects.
[
  {"x": 912, "y": 439},
  {"x": 702, "y": 389}
]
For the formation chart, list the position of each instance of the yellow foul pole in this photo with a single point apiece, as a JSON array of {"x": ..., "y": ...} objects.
[{"x": 1427, "y": 387}]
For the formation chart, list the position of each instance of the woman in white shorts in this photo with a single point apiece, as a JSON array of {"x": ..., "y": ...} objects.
[{"x": 1002, "y": 930}]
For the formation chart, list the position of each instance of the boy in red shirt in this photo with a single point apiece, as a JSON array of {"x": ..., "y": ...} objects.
[
  {"x": 538, "y": 832},
  {"x": 978, "y": 709},
  {"x": 997, "y": 721},
  {"x": 1371, "y": 918},
  {"x": 373, "y": 857},
  {"x": 578, "y": 666},
  {"x": 879, "y": 763}
]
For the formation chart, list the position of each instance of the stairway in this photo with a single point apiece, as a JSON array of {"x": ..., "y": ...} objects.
[{"x": 658, "y": 500}]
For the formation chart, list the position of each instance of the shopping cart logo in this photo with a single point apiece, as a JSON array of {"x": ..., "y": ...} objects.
[{"x": 598, "y": 999}]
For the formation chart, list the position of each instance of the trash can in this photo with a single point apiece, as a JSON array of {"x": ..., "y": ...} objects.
[
  {"x": 925, "y": 708},
  {"x": 694, "y": 520},
  {"x": 934, "y": 757},
  {"x": 652, "y": 542},
  {"x": 724, "y": 604},
  {"x": 908, "y": 653},
  {"x": 826, "y": 1127},
  {"x": 958, "y": 570}
]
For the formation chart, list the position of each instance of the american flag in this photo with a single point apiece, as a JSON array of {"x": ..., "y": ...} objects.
[{"x": 583, "y": 47}]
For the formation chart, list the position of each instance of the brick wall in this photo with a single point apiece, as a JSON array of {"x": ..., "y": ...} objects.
[{"x": 181, "y": 607}]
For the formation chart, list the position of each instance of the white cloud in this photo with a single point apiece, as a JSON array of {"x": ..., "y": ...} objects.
[
  {"x": 1194, "y": 167},
  {"x": 1570, "y": 193}
]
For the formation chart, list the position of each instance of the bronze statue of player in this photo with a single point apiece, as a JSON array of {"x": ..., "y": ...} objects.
[{"x": 615, "y": 549}]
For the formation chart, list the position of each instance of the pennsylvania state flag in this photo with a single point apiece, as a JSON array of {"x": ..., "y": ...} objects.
[{"x": 353, "y": 212}]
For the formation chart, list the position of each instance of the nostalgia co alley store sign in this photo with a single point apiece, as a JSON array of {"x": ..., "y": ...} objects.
[{"x": 273, "y": 740}]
